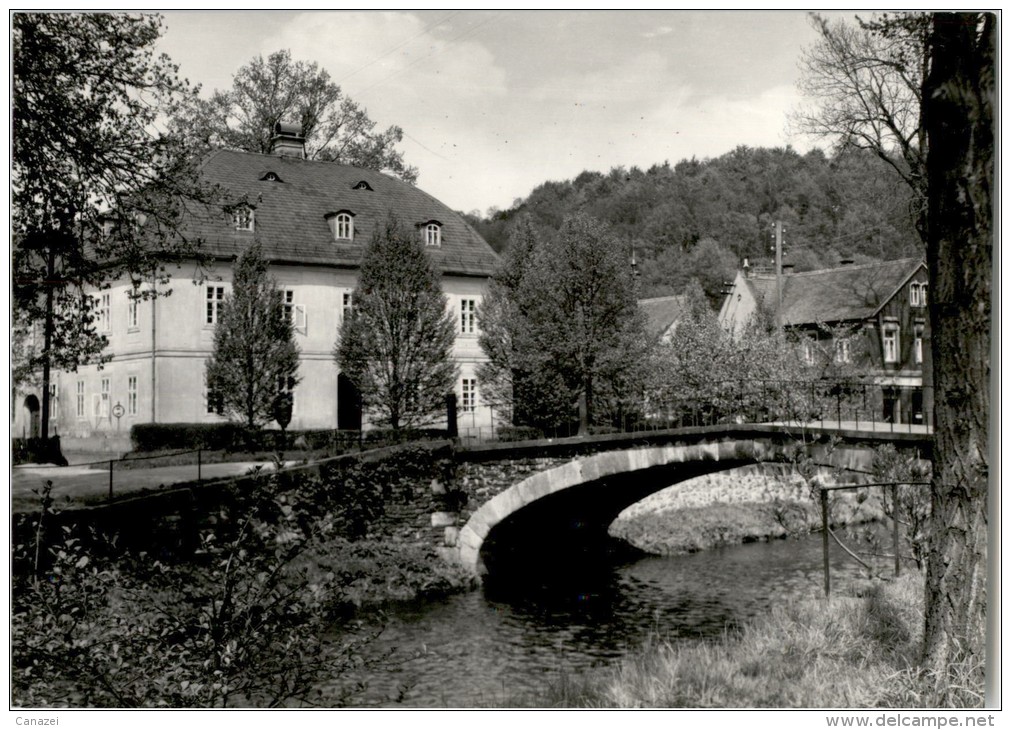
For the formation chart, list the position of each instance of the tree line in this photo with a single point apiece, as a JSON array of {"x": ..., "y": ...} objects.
[{"x": 701, "y": 218}]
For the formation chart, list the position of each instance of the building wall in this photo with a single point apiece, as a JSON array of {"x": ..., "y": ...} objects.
[
  {"x": 739, "y": 307},
  {"x": 903, "y": 391},
  {"x": 184, "y": 340}
]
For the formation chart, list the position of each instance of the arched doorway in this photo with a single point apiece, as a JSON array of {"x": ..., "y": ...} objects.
[
  {"x": 349, "y": 405},
  {"x": 34, "y": 420}
]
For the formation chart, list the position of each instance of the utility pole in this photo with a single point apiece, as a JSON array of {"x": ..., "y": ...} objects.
[{"x": 779, "y": 274}]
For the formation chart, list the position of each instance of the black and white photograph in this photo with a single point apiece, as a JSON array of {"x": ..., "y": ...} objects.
[{"x": 496, "y": 360}]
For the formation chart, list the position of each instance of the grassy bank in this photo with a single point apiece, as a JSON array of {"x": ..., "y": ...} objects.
[
  {"x": 733, "y": 507},
  {"x": 856, "y": 652}
]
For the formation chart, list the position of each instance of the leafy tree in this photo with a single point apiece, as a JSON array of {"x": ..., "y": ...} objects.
[
  {"x": 97, "y": 193},
  {"x": 959, "y": 94},
  {"x": 705, "y": 373},
  {"x": 396, "y": 347},
  {"x": 515, "y": 379},
  {"x": 280, "y": 89},
  {"x": 255, "y": 359},
  {"x": 700, "y": 218},
  {"x": 708, "y": 262},
  {"x": 572, "y": 328}
]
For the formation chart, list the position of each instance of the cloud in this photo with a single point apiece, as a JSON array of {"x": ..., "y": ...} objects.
[
  {"x": 494, "y": 104},
  {"x": 393, "y": 61}
]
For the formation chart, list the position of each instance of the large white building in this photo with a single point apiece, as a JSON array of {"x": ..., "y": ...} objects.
[{"x": 312, "y": 220}]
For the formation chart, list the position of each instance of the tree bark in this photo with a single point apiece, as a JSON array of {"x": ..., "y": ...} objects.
[{"x": 958, "y": 97}]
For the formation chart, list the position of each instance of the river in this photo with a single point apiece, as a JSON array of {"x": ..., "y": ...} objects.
[{"x": 489, "y": 646}]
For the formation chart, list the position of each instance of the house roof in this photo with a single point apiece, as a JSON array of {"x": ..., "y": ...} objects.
[
  {"x": 291, "y": 213},
  {"x": 842, "y": 294},
  {"x": 661, "y": 313}
]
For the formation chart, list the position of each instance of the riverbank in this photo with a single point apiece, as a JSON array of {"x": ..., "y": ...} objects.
[
  {"x": 852, "y": 651},
  {"x": 757, "y": 503}
]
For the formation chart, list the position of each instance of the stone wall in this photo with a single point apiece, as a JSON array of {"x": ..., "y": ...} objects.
[{"x": 431, "y": 512}]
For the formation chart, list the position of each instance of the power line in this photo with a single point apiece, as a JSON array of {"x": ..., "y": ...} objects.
[{"x": 413, "y": 139}]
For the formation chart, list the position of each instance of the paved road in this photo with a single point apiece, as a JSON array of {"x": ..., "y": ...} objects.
[{"x": 86, "y": 485}]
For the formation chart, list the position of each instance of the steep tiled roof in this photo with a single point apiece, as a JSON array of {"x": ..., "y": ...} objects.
[
  {"x": 290, "y": 213},
  {"x": 661, "y": 313},
  {"x": 836, "y": 295}
]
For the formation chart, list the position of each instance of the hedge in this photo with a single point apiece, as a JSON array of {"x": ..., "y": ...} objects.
[
  {"x": 37, "y": 451},
  {"x": 519, "y": 433},
  {"x": 235, "y": 437}
]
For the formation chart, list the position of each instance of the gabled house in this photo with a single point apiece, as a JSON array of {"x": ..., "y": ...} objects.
[
  {"x": 871, "y": 318},
  {"x": 312, "y": 220}
]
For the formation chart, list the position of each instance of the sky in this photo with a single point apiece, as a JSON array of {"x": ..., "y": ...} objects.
[{"x": 494, "y": 103}]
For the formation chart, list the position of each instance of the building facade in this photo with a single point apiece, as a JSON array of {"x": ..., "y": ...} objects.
[
  {"x": 312, "y": 220},
  {"x": 870, "y": 321}
]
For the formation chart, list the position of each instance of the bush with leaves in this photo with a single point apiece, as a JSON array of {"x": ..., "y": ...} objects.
[
  {"x": 909, "y": 503},
  {"x": 245, "y": 623}
]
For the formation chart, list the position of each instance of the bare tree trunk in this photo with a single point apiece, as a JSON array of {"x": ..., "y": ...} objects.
[{"x": 958, "y": 96}]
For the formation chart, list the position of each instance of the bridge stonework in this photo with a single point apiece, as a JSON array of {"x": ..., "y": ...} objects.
[
  {"x": 498, "y": 490},
  {"x": 477, "y": 483}
]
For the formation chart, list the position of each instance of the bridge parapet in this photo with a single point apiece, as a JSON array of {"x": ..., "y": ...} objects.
[{"x": 630, "y": 474}]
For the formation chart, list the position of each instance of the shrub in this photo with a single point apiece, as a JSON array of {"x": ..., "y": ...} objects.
[
  {"x": 389, "y": 436},
  {"x": 37, "y": 451},
  {"x": 519, "y": 433},
  {"x": 158, "y": 436},
  {"x": 233, "y": 437},
  {"x": 245, "y": 623}
]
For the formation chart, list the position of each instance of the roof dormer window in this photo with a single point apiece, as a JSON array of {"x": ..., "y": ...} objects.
[
  {"x": 271, "y": 177},
  {"x": 342, "y": 225},
  {"x": 431, "y": 233},
  {"x": 361, "y": 185},
  {"x": 243, "y": 218}
]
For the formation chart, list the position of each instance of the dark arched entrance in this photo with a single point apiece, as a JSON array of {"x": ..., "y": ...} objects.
[
  {"x": 349, "y": 405},
  {"x": 34, "y": 417}
]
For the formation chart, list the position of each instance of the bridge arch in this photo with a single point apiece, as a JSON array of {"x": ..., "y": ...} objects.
[{"x": 592, "y": 490}]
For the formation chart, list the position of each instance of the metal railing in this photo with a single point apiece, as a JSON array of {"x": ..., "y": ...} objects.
[
  {"x": 840, "y": 404},
  {"x": 112, "y": 463},
  {"x": 827, "y": 532}
]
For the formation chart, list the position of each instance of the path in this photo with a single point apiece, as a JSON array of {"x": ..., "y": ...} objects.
[{"x": 85, "y": 485}]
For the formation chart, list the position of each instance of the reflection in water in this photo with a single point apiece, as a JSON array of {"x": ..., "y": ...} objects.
[{"x": 515, "y": 636}]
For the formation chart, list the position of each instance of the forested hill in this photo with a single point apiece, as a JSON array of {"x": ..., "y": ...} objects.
[{"x": 701, "y": 218}]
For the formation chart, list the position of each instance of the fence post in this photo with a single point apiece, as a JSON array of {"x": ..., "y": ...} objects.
[
  {"x": 110, "y": 480},
  {"x": 824, "y": 541},
  {"x": 895, "y": 527}
]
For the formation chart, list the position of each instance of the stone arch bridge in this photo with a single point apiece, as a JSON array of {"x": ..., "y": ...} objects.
[{"x": 574, "y": 488}]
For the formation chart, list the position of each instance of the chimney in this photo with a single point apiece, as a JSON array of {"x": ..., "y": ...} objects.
[
  {"x": 287, "y": 141},
  {"x": 845, "y": 262}
]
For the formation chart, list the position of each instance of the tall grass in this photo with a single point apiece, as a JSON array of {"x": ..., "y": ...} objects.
[{"x": 857, "y": 652}]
